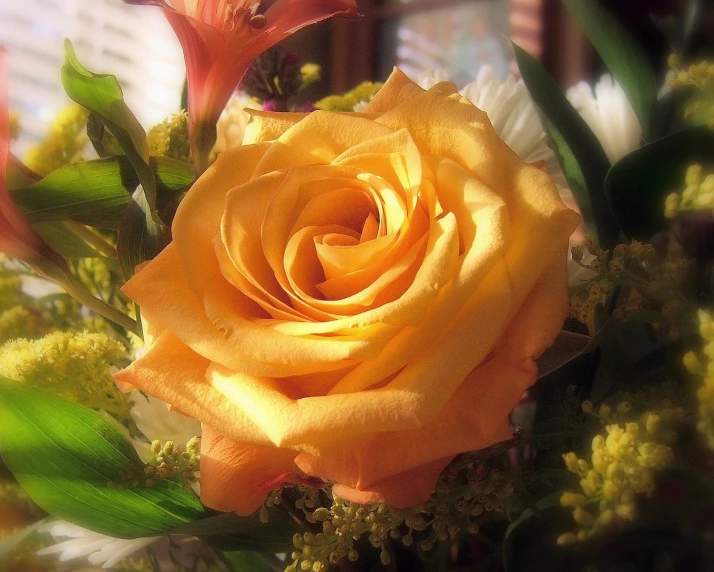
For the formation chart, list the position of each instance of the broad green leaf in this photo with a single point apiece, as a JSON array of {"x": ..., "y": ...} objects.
[
  {"x": 96, "y": 193},
  {"x": 228, "y": 531},
  {"x": 246, "y": 562},
  {"x": 623, "y": 56},
  {"x": 581, "y": 146},
  {"x": 102, "y": 95},
  {"x": 638, "y": 184},
  {"x": 65, "y": 455}
]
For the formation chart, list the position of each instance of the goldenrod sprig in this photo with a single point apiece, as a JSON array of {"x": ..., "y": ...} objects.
[
  {"x": 647, "y": 281},
  {"x": 701, "y": 365},
  {"x": 467, "y": 494},
  {"x": 622, "y": 465}
]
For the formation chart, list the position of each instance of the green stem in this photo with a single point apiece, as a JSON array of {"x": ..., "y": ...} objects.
[
  {"x": 92, "y": 238},
  {"x": 76, "y": 289},
  {"x": 272, "y": 561}
]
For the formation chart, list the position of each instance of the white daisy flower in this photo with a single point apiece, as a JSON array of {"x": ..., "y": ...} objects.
[
  {"x": 513, "y": 115},
  {"x": 97, "y": 548},
  {"x": 609, "y": 115}
]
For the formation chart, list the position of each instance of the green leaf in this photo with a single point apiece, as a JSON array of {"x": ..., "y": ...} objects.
[
  {"x": 638, "y": 184},
  {"x": 228, "y": 531},
  {"x": 623, "y": 56},
  {"x": 246, "y": 562},
  {"x": 534, "y": 510},
  {"x": 96, "y": 193},
  {"x": 18, "y": 175},
  {"x": 579, "y": 146},
  {"x": 104, "y": 143},
  {"x": 545, "y": 503},
  {"x": 102, "y": 95},
  {"x": 136, "y": 242},
  {"x": 63, "y": 241},
  {"x": 64, "y": 455},
  {"x": 572, "y": 171}
]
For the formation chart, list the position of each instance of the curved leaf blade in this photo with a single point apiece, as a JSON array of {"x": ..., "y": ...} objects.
[
  {"x": 579, "y": 140},
  {"x": 96, "y": 193},
  {"x": 102, "y": 95},
  {"x": 65, "y": 456},
  {"x": 638, "y": 184},
  {"x": 622, "y": 55}
]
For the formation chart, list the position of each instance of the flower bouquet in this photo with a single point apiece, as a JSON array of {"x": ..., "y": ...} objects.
[{"x": 372, "y": 333}]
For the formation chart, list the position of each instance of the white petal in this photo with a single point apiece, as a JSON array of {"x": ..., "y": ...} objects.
[{"x": 609, "y": 115}]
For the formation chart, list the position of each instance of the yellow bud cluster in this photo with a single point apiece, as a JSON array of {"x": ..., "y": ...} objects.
[
  {"x": 65, "y": 142},
  {"x": 697, "y": 195},
  {"x": 702, "y": 366},
  {"x": 170, "y": 138},
  {"x": 20, "y": 322},
  {"x": 363, "y": 93},
  {"x": 73, "y": 365},
  {"x": 700, "y": 77},
  {"x": 309, "y": 73},
  {"x": 170, "y": 460},
  {"x": 622, "y": 465},
  {"x": 19, "y": 314},
  {"x": 636, "y": 267},
  {"x": 466, "y": 492}
]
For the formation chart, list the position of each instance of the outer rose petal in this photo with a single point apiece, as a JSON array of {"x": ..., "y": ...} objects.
[
  {"x": 410, "y": 488},
  {"x": 236, "y": 477}
]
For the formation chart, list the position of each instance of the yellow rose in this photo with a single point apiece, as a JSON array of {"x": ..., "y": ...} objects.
[{"x": 355, "y": 297}]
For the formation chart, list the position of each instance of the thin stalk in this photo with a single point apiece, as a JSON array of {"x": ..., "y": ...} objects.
[
  {"x": 272, "y": 561},
  {"x": 76, "y": 289},
  {"x": 92, "y": 238}
]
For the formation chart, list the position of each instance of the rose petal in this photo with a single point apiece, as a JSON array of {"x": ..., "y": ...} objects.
[
  {"x": 407, "y": 489},
  {"x": 236, "y": 477},
  {"x": 172, "y": 372},
  {"x": 496, "y": 387}
]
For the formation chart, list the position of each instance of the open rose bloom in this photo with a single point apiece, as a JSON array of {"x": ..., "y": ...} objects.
[{"x": 355, "y": 298}]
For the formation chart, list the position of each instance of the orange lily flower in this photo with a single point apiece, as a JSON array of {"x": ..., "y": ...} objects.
[
  {"x": 17, "y": 238},
  {"x": 220, "y": 40}
]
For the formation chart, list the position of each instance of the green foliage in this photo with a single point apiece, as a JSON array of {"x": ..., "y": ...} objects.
[
  {"x": 142, "y": 234},
  {"x": 576, "y": 144},
  {"x": 638, "y": 184},
  {"x": 624, "y": 58},
  {"x": 65, "y": 456},
  {"x": 76, "y": 366},
  {"x": 96, "y": 193},
  {"x": 246, "y": 562},
  {"x": 230, "y": 532}
]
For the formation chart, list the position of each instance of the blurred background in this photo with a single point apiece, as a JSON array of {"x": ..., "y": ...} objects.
[{"x": 459, "y": 36}]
